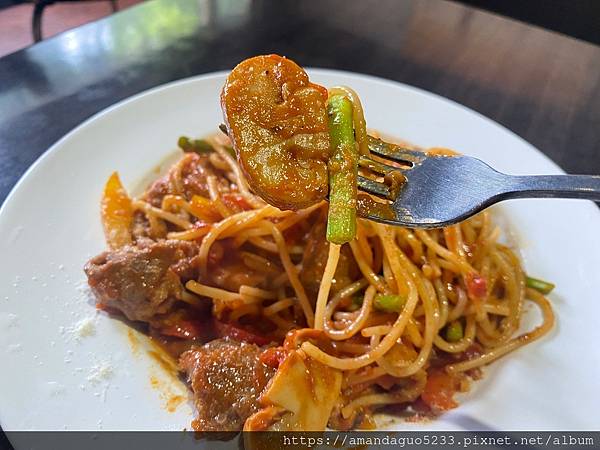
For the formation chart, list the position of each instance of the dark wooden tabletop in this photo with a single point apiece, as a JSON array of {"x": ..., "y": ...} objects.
[{"x": 542, "y": 85}]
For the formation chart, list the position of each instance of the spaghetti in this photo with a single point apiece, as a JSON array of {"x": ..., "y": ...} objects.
[
  {"x": 392, "y": 317},
  {"x": 459, "y": 275}
]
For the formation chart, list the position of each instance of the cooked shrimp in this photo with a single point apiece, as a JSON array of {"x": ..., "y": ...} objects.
[{"x": 277, "y": 121}]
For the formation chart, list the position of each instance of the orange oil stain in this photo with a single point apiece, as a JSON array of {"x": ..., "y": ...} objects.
[
  {"x": 164, "y": 361},
  {"x": 172, "y": 400},
  {"x": 134, "y": 343},
  {"x": 170, "y": 390}
]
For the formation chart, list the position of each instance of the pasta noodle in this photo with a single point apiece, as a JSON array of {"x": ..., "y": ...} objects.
[
  {"x": 307, "y": 301},
  {"x": 433, "y": 274}
]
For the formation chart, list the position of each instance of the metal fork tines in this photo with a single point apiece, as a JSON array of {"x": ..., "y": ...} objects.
[{"x": 439, "y": 190}]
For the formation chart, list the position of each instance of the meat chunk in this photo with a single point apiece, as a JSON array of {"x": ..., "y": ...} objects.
[
  {"x": 227, "y": 378},
  {"x": 315, "y": 259},
  {"x": 189, "y": 176},
  {"x": 141, "y": 281}
]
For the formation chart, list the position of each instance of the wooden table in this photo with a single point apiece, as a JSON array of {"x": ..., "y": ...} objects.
[{"x": 543, "y": 86}]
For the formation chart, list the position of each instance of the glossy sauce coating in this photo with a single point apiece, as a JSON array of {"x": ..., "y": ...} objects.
[{"x": 277, "y": 121}]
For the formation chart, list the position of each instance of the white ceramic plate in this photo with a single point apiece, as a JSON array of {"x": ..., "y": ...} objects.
[{"x": 64, "y": 366}]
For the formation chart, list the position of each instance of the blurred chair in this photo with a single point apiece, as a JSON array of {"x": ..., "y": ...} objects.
[{"x": 38, "y": 11}]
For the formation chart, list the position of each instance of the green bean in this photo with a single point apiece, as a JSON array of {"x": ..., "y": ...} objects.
[
  {"x": 343, "y": 171},
  {"x": 454, "y": 331},
  {"x": 199, "y": 146},
  {"x": 389, "y": 302},
  {"x": 539, "y": 285}
]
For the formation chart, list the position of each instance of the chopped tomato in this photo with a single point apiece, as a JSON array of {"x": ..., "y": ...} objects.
[
  {"x": 236, "y": 201},
  {"x": 204, "y": 209},
  {"x": 439, "y": 391},
  {"x": 476, "y": 286},
  {"x": 273, "y": 356},
  {"x": 239, "y": 334}
]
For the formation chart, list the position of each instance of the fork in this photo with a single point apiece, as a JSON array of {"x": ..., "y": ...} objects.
[{"x": 430, "y": 191}]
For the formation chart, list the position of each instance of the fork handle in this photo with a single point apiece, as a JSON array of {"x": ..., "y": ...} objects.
[{"x": 553, "y": 186}]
